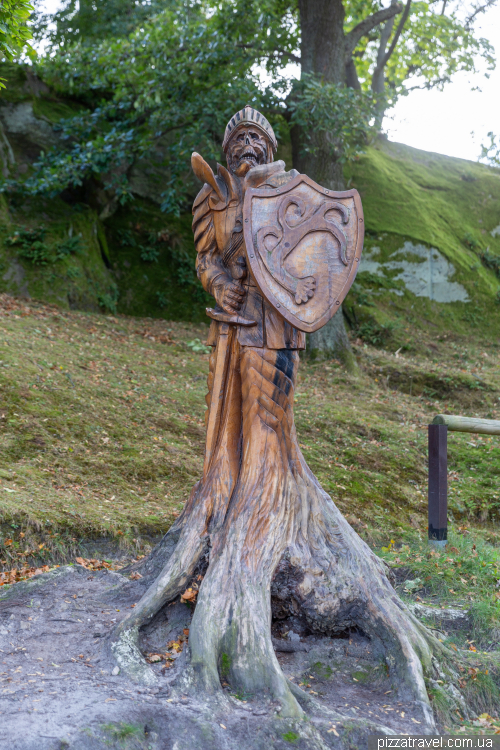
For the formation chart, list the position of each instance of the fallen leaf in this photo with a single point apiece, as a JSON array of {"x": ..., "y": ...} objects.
[
  {"x": 189, "y": 595},
  {"x": 154, "y": 658},
  {"x": 222, "y": 725},
  {"x": 415, "y": 721}
]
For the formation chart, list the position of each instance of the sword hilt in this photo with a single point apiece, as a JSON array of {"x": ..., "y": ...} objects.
[{"x": 216, "y": 313}]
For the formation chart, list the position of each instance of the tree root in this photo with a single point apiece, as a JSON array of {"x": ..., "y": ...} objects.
[{"x": 272, "y": 534}]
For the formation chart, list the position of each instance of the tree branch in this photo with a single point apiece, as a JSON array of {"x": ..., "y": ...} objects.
[
  {"x": 399, "y": 30},
  {"x": 365, "y": 26},
  {"x": 482, "y": 8}
]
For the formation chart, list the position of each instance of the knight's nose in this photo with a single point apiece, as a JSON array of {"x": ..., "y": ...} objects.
[{"x": 247, "y": 141}]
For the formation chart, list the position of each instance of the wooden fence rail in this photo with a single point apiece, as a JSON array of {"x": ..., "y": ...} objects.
[{"x": 438, "y": 467}]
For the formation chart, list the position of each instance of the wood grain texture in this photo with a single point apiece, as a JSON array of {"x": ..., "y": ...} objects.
[
  {"x": 304, "y": 245},
  {"x": 258, "y": 526},
  {"x": 468, "y": 424}
]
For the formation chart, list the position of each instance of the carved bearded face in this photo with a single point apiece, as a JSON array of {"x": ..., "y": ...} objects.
[{"x": 248, "y": 148}]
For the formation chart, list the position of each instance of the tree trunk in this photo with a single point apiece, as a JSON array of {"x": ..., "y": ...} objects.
[
  {"x": 271, "y": 537},
  {"x": 332, "y": 341},
  {"x": 322, "y": 50},
  {"x": 378, "y": 77}
]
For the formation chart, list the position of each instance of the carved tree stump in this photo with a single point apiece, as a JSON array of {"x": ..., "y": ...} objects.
[
  {"x": 258, "y": 523},
  {"x": 268, "y": 528}
]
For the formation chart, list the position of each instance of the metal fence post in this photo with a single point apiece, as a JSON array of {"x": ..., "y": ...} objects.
[{"x": 438, "y": 484}]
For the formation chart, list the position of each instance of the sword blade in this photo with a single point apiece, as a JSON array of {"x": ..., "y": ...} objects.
[{"x": 217, "y": 397}]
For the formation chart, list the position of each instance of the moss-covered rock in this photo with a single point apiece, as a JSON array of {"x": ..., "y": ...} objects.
[{"x": 430, "y": 246}]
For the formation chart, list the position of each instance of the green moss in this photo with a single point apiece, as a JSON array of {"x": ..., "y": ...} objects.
[
  {"x": 54, "y": 110},
  {"x": 433, "y": 199},
  {"x": 66, "y": 267},
  {"x": 123, "y": 731},
  {"x": 291, "y": 736},
  {"x": 322, "y": 670},
  {"x": 16, "y": 88},
  {"x": 153, "y": 259},
  {"x": 225, "y": 666}
]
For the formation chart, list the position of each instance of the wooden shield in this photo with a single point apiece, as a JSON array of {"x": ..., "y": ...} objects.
[{"x": 304, "y": 246}]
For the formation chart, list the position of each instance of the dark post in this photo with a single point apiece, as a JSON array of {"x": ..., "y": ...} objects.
[{"x": 438, "y": 484}]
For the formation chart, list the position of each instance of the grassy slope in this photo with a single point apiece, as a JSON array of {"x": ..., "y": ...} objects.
[
  {"x": 447, "y": 203},
  {"x": 93, "y": 407},
  {"x": 441, "y": 201}
]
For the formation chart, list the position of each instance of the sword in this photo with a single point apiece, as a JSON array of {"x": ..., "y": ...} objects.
[{"x": 226, "y": 333}]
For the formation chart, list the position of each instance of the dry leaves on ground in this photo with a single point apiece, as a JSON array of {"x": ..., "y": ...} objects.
[
  {"x": 94, "y": 564},
  {"x": 189, "y": 595},
  {"x": 21, "y": 574}
]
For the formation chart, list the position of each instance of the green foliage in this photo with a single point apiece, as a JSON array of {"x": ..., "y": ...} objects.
[
  {"x": 165, "y": 285},
  {"x": 150, "y": 254},
  {"x": 91, "y": 20},
  {"x": 480, "y": 688},
  {"x": 323, "y": 671},
  {"x": 491, "y": 261},
  {"x": 70, "y": 246},
  {"x": 436, "y": 42},
  {"x": 108, "y": 300},
  {"x": 164, "y": 91},
  {"x": 31, "y": 246},
  {"x": 162, "y": 300},
  {"x": 490, "y": 152},
  {"x": 291, "y": 736},
  {"x": 321, "y": 107},
  {"x": 161, "y": 79},
  {"x": 197, "y": 346},
  {"x": 14, "y": 32},
  {"x": 225, "y": 666},
  {"x": 375, "y": 333},
  {"x": 471, "y": 241},
  {"x": 123, "y": 731},
  {"x": 468, "y": 568},
  {"x": 443, "y": 705}
]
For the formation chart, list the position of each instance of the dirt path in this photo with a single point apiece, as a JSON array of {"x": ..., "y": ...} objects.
[{"x": 58, "y": 690}]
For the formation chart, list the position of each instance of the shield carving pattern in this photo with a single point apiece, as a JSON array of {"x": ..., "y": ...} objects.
[{"x": 303, "y": 246}]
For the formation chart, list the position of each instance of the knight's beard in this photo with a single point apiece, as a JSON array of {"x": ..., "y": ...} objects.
[{"x": 241, "y": 165}]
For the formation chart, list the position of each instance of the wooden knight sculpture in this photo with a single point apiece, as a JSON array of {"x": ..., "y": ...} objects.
[{"x": 278, "y": 253}]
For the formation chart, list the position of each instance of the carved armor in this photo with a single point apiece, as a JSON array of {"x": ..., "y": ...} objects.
[{"x": 218, "y": 236}]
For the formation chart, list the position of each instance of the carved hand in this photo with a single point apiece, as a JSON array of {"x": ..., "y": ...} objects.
[
  {"x": 229, "y": 294},
  {"x": 305, "y": 289}
]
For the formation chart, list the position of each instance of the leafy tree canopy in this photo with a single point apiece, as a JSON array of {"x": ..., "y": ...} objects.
[
  {"x": 14, "y": 32},
  {"x": 161, "y": 78}
]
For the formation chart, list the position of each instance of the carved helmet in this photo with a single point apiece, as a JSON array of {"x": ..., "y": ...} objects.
[{"x": 248, "y": 116}]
